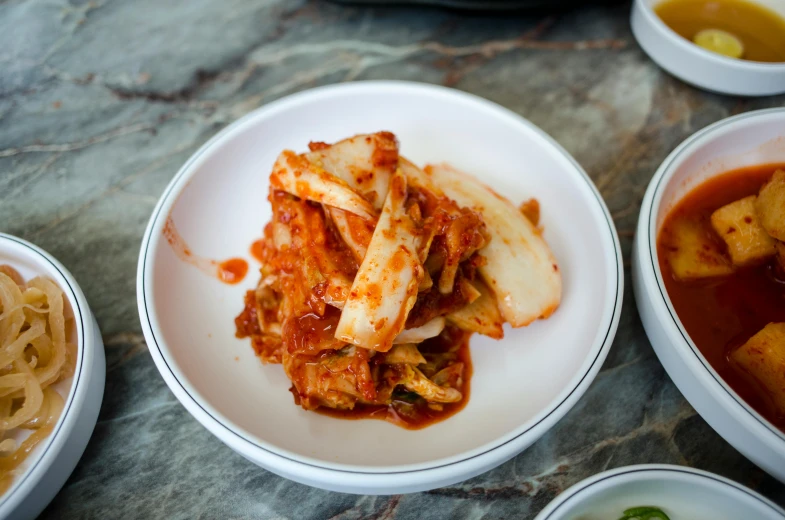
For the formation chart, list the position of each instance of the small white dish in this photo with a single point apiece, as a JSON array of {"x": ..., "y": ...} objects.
[
  {"x": 52, "y": 461},
  {"x": 749, "y": 139},
  {"x": 521, "y": 385},
  {"x": 682, "y": 493},
  {"x": 702, "y": 68}
]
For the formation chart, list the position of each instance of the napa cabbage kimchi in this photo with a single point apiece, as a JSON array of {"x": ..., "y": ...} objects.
[{"x": 376, "y": 272}]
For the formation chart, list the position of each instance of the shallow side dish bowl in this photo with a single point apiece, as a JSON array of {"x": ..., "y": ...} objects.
[
  {"x": 52, "y": 461},
  {"x": 682, "y": 493},
  {"x": 749, "y": 139},
  {"x": 702, "y": 68},
  {"x": 521, "y": 385}
]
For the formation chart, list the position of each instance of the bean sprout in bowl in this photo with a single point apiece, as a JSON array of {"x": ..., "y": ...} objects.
[{"x": 215, "y": 209}]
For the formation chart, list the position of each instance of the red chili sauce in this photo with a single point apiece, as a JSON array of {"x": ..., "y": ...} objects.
[
  {"x": 409, "y": 410},
  {"x": 721, "y": 314},
  {"x": 257, "y": 250},
  {"x": 233, "y": 270},
  {"x": 230, "y": 271}
]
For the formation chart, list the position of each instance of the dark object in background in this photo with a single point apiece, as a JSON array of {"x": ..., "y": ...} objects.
[{"x": 483, "y": 5}]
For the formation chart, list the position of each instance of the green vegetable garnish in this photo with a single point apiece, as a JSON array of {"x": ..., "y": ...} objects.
[
  {"x": 644, "y": 513},
  {"x": 403, "y": 395}
]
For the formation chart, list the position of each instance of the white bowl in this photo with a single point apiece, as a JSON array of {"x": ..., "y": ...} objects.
[
  {"x": 49, "y": 465},
  {"x": 702, "y": 68},
  {"x": 749, "y": 139},
  {"x": 521, "y": 385},
  {"x": 682, "y": 493}
]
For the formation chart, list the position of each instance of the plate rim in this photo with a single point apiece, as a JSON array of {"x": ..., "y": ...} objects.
[{"x": 239, "y": 440}]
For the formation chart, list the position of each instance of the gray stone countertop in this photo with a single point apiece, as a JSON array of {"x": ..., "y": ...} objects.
[{"x": 101, "y": 101}]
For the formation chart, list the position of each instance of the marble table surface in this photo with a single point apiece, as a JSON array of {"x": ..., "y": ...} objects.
[{"x": 101, "y": 101}]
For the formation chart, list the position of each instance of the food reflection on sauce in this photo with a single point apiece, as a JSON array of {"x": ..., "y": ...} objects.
[
  {"x": 722, "y": 313},
  {"x": 229, "y": 271}
]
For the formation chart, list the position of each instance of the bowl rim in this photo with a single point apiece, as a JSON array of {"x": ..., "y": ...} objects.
[
  {"x": 239, "y": 440},
  {"x": 739, "y": 65},
  {"x": 648, "y": 222},
  {"x": 26, "y": 483},
  {"x": 636, "y": 471}
]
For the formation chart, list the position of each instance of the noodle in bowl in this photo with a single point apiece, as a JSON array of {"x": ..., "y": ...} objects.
[
  {"x": 51, "y": 380},
  {"x": 35, "y": 356}
]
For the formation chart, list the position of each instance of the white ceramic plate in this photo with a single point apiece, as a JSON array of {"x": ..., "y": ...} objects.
[
  {"x": 749, "y": 139},
  {"x": 48, "y": 466},
  {"x": 521, "y": 385},
  {"x": 682, "y": 493}
]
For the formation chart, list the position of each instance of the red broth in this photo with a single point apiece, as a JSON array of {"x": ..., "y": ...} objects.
[{"x": 722, "y": 314}]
